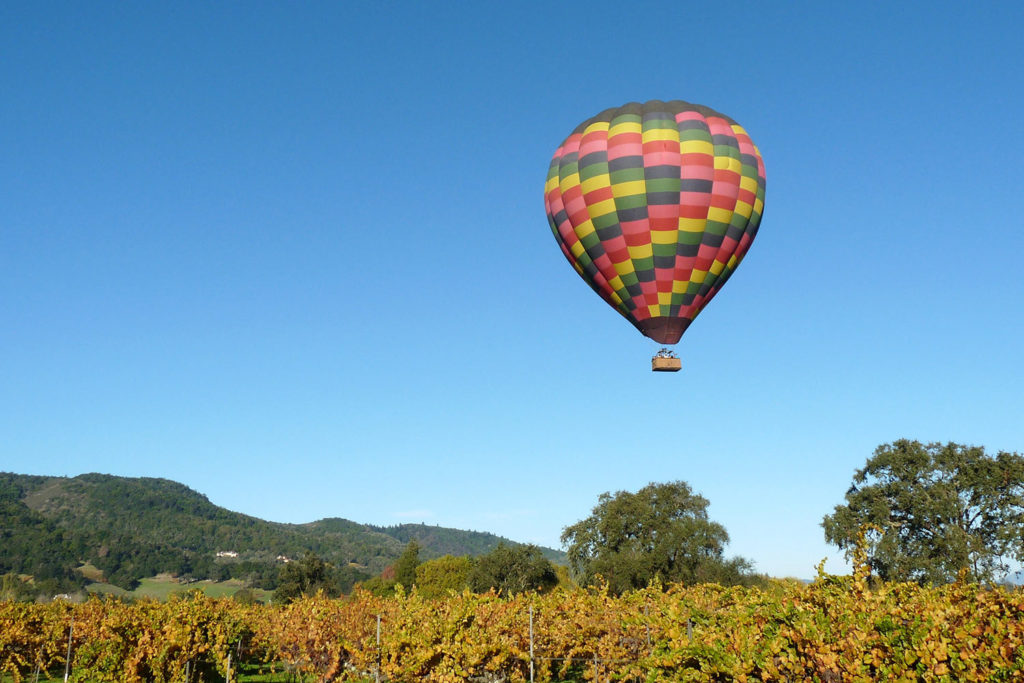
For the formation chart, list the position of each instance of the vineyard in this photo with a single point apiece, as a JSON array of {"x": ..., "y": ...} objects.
[{"x": 836, "y": 629}]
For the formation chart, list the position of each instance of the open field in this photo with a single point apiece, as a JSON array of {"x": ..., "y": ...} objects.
[{"x": 162, "y": 587}]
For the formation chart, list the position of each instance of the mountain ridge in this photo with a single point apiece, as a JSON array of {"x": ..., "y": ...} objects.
[{"x": 134, "y": 527}]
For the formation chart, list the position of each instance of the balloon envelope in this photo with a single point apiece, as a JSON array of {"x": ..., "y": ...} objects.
[{"x": 655, "y": 205}]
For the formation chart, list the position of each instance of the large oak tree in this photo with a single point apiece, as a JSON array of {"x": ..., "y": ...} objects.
[
  {"x": 662, "y": 531},
  {"x": 931, "y": 511}
]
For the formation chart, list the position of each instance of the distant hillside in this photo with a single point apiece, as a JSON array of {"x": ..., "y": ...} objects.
[
  {"x": 131, "y": 528},
  {"x": 444, "y": 541}
]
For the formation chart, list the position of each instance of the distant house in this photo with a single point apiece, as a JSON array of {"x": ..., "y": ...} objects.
[
  {"x": 283, "y": 558},
  {"x": 227, "y": 553}
]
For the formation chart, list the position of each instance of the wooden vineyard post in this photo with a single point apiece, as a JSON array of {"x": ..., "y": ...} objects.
[
  {"x": 67, "y": 662},
  {"x": 376, "y": 673},
  {"x": 531, "y": 643}
]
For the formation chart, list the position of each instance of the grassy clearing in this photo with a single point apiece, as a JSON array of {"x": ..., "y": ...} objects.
[
  {"x": 162, "y": 587},
  {"x": 253, "y": 674},
  {"x": 91, "y": 572}
]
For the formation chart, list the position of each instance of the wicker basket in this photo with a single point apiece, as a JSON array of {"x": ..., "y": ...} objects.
[{"x": 666, "y": 364}]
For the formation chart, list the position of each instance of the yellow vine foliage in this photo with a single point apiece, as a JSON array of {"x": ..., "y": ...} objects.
[{"x": 840, "y": 628}]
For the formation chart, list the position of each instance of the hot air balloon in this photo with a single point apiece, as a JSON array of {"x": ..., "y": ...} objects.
[{"x": 655, "y": 205}]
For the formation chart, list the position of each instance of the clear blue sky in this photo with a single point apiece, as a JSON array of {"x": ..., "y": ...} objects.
[{"x": 295, "y": 256}]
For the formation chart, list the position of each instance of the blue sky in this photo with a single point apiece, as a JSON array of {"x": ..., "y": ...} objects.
[{"x": 295, "y": 256}]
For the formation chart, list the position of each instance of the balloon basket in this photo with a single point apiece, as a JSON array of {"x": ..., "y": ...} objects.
[{"x": 666, "y": 364}]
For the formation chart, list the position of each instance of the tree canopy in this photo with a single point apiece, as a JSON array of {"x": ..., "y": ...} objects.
[
  {"x": 443, "y": 575},
  {"x": 306, "y": 576},
  {"x": 931, "y": 511},
  {"x": 405, "y": 567},
  {"x": 512, "y": 569},
  {"x": 661, "y": 531}
]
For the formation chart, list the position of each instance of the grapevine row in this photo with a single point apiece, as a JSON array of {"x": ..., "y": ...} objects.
[{"x": 833, "y": 630}]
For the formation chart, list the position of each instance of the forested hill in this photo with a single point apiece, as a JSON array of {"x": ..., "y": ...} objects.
[{"x": 131, "y": 528}]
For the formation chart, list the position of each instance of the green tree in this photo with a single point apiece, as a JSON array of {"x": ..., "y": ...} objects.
[
  {"x": 378, "y": 585},
  {"x": 14, "y": 588},
  {"x": 930, "y": 511},
  {"x": 443, "y": 575},
  {"x": 306, "y": 576},
  {"x": 661, "y": 531},
  {"x": 382, "y": 584},
  {"x": 512, "y": 570},
  {"x": 348, "y": 577},
  {"x": 405, "y": 567},
  {"x": 564, "y": 576}
]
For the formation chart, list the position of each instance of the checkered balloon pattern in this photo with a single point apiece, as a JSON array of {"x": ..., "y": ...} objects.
[{"x": 655, "y": 205}]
